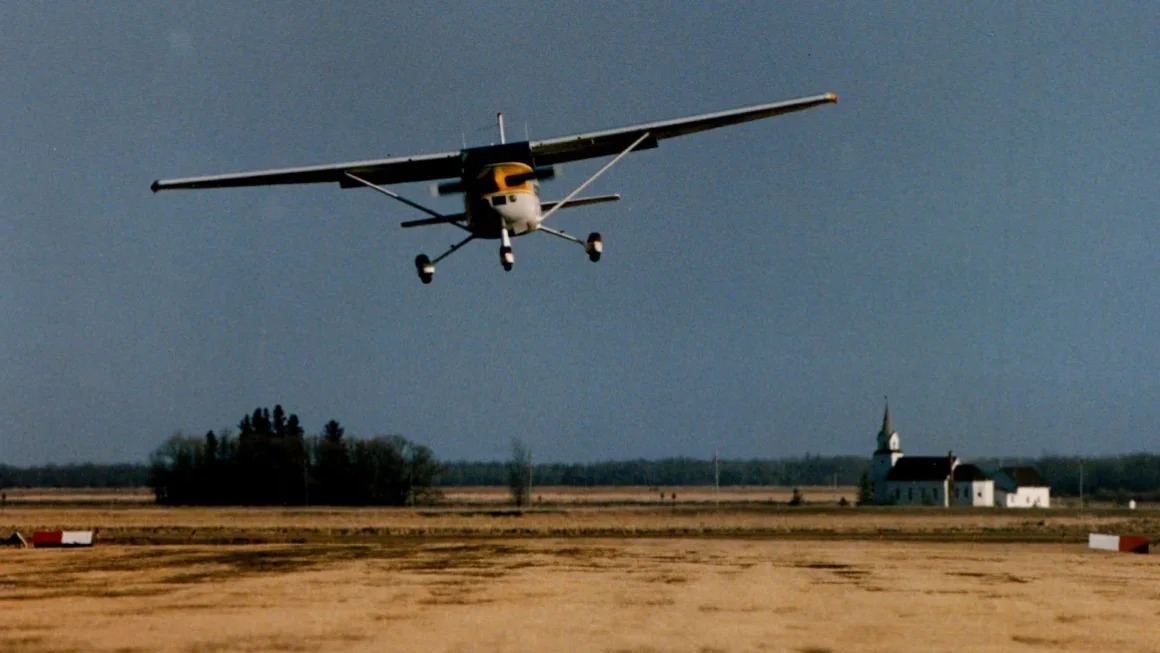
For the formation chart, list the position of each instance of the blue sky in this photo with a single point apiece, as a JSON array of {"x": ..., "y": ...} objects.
[{"x": 971, "y": 230}]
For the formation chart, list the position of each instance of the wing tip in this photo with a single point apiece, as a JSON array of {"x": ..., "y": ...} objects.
[
  {"x": 155, "y": 186},
  {"x": 832, "y": 97}
]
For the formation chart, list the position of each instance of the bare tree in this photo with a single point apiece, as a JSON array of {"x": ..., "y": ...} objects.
[{"x": 519, "y": 473}]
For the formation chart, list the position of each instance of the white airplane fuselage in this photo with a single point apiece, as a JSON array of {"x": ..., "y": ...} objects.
[{"x": 494, "y": 201}]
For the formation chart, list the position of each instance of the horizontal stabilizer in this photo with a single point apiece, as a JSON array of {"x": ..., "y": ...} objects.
[
  {"x": 443, "y": 219},
  {"x": 580, "y": 201}
]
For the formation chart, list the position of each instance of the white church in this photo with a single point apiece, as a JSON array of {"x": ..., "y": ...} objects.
[{"x": 904, "y": 480}]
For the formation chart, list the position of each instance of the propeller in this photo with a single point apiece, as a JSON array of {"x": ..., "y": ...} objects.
[{"x": 539, "y": 174}]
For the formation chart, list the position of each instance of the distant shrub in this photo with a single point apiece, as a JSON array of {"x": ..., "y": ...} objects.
[{"x": 796, "y": 499}]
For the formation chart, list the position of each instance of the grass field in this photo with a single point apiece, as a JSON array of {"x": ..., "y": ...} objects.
[{"x": 580, "y": 573}]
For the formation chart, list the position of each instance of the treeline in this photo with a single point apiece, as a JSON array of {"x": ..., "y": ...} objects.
[
  {"x": 271, "y": 461},
  {"x": 78, "y": 475},
  {"x": 1107, "y": 478},
  {"x": 807, "y": 470},
  {"x": 231, "y": 476}
]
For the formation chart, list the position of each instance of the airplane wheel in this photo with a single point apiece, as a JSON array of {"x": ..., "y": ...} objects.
[
  {"x": 424, "y": 268},
  {"x": 507, "y": 258},
  {"x": 594, "y": 246}
]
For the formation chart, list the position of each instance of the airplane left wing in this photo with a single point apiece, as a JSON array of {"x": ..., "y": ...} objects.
[
  {"x": 425, "y": 167},
  {"x": 613, "y": 141}
]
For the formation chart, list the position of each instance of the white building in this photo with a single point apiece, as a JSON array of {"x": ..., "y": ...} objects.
[
  {"x": 904, "y": 480},
  {"x": 972, "y": 487},
  {"x": 1021, "y": 487},
  {"x": 921, "y": 481}
]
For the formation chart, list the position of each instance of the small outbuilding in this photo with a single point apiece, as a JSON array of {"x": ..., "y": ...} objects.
[
  {"x": 1021, "y": 487},
  {"x": 972, "y": 487}
]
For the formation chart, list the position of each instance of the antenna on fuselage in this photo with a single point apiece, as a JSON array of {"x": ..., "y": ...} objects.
[{"x": 499, "y": 117}]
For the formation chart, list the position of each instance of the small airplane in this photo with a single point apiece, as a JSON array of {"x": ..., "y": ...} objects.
[{"x": 500, "y": 183}]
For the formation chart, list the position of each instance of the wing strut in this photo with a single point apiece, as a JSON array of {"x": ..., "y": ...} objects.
[
  {"x": 437, "y": 218},
  {"x": 591, "y": 179},
  {"x": 393, "y": 195}
]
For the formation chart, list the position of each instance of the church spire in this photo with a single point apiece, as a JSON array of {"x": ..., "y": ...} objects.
[
  {"x": 886, "y": 427},
  {"x": 887, "y": 438}
]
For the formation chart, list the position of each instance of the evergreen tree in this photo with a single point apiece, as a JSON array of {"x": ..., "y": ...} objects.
[
  {"x": 865, "y": 490},
  {"x": 333, "y": 466}
]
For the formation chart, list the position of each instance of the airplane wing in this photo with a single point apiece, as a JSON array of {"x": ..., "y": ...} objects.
[
  {"x": 447, "y": 165},
  {"x": 614, "y": 141},
  {"x": 398, "y": 170}
]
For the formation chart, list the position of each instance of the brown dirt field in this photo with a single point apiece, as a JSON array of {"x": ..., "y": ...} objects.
[
  {"x": 693, "y": 595},
  {"x": 149, "y": 524},
  {"x": 590, "y": 571}
]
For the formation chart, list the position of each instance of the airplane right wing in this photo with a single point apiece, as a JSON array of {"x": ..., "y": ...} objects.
[{"x": 424, "y": 167}]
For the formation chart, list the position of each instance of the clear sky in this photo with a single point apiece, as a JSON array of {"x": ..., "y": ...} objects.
[{"x": 972, "y": 230}]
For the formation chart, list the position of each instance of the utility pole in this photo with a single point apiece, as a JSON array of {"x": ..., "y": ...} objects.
[
  {"x": 1081, "y": 485},
  {"x": 716, "y": 479},
  {"x": 531, "y": 469}
]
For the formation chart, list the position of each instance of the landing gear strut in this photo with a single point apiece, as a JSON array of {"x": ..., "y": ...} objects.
[
  {"x": 593, "y": 247},
  {"x": 425, "y": 267},
  {"x": 507, "y": 258}
]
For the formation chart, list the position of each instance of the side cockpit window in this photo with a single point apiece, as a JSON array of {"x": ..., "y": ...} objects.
[{"x": 499, "y": 200}]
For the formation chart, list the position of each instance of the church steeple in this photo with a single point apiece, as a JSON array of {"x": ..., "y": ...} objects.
[
  {"x": 887, "y": 437},
  {"x": 888, "y": 452},
  {"x": 886, "y": 427}
]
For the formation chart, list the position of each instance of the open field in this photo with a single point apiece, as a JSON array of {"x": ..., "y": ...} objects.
[
  {"x": 559, "y": 594},
  {"x": 570, "y": 512},
  {"x": 580, "y": 573}
]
